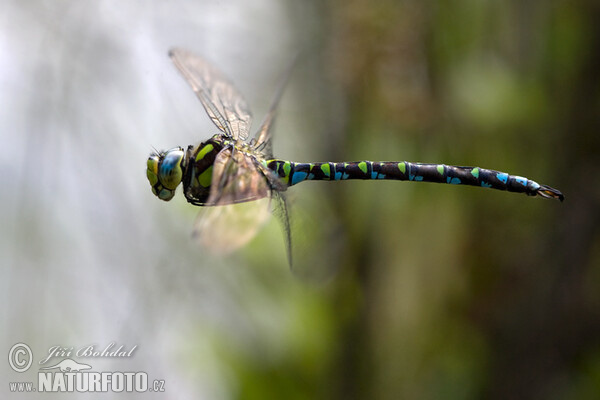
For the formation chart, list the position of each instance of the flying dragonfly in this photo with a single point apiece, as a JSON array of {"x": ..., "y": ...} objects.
[{"x": 229, "y": 168}]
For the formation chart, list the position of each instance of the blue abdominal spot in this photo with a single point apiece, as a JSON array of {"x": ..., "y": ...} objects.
[
  {"x": 521, "y": 180},
  {"x": 502, "y": 176},
  {"x": 298, "y": 177}
]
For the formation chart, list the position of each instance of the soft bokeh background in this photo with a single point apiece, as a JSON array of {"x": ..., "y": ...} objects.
[{"x": 426, "y": 291}]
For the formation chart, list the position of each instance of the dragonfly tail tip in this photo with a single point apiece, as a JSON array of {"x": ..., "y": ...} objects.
[{"x": 550, "y": 193}]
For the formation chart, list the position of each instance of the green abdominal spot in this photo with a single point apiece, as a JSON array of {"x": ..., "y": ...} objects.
[
  {"x": 363, "y": 166},
  {"x": 402, "y": 167},
  {"x": 287, "y": 167}
]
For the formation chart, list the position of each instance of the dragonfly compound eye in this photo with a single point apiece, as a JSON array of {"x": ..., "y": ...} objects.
[
  {"x": 170, "y": 172},
  {"x": 164, "y": 172},
  {"x": 152, "y": 169}
]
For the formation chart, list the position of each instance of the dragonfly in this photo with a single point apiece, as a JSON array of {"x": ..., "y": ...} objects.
[{"x": 229, "y": 168}]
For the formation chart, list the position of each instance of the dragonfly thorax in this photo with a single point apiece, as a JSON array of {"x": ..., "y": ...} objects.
[{"x": 165, "y": 172}]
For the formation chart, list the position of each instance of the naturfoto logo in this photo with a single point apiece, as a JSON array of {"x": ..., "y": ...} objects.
[{"x": 67, "y": 375}]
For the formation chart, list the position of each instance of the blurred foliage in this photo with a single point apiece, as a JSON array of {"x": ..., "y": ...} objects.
[{"x": 467, "y": 294}]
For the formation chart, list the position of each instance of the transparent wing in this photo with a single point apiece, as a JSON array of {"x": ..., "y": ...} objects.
[
  {"x": 314, "y": 246},
  {"x": 281, "y": 211},
  {"x": 237, "y": 178},
  {"x": 224, "y": 229},
  {"x": 263, "y": 137},
  {"x": 224, "y": 105}
]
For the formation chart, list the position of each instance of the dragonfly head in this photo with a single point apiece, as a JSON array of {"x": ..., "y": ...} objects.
[{"x": 165, "y": 172}]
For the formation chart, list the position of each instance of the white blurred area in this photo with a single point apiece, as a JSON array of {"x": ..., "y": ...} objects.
[{"x": 89, "y": 255}]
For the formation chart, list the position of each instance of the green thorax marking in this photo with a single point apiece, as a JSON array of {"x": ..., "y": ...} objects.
[
  {"x": 402, "y": 167},
  {"x": 205, "y": 177},
  {"x": 198, "y": 176},
  {"x": 203, "y": 151},
  {"x": 440, "y": 169}
]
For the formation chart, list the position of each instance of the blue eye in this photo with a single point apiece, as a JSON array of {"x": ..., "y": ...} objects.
[{"x": 170, "y": 172}]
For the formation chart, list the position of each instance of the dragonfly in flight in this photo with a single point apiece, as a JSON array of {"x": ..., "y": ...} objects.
[{"x": 230, "y": 168}]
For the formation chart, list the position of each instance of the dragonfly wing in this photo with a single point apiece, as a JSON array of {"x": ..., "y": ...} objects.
[
  {"x": 281, "y": 211},
  {"x": 225, "y": 106},
  {"x": 237, "y": 178},
  {"x": 263, "y": 135},
  {"x": 224, "y": 229}
]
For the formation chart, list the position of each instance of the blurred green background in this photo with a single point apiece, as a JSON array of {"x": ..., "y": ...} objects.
[{"x": 416, "y": 291}]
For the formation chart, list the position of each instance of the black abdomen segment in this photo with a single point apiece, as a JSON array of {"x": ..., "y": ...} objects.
[{"x": 293, "y": 173}]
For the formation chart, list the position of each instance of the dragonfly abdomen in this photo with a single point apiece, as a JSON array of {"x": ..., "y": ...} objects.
[{"x": 293, "y": 173}]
